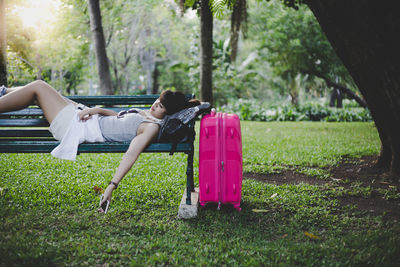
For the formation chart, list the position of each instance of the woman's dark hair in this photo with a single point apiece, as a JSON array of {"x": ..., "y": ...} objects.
[{"x": 176, "y": 101}]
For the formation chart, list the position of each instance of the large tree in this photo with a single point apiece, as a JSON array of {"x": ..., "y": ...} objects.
[
  {"x": 3, "y": 44},
  {"x": 100, "y": 47},
  {"x": 364, "y": 35}
]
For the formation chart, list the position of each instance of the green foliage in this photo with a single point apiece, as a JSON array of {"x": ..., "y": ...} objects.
[
  {"x": 20, "y": 62},
  {"x": 312, "y": 111},
  {"x": 390, "y": 193},
  {"x": 18, "y": 71},
  {"x": 228, "y": 80},
  {"x": 276, "y": 35},
  {"x": 57, "y": 53},
  {"x": 225, "y": 75},
  {"x": 218, "y": 7},
  {"x": 293, "y": 43},
  {"x": 182, "y": 71}
]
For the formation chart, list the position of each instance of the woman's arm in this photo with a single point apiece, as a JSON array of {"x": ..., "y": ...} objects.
[
  {"x": 87, "y": 113},
  {"x": 137, "y": 145}
]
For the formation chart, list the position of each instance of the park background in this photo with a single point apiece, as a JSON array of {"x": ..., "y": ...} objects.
[{"x": 312, "y": 194}]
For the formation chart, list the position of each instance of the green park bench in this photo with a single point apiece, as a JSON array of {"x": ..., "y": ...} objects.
[{"x": 26, "y": 131}]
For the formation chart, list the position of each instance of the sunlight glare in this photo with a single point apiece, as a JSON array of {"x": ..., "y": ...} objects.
[{"x": 38, "y": 14}]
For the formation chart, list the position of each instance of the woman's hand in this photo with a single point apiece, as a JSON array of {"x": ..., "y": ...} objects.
[
  {"x": 137, "y": 145},
  {"x": 106, "y": 196},
  {"x": 86, "y": 114}
]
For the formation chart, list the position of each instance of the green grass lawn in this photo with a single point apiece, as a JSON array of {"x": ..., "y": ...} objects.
[
  {"x": 48, "y": 214},
  {"x": 276, "y": 145}
]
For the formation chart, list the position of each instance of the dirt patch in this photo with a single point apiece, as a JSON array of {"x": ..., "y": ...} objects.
[
  {"x": 362, "y": 170},
  {"x": 350, "y": 174}
]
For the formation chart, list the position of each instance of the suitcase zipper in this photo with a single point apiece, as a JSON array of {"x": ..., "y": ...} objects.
[{"x": 220, "y": 153}]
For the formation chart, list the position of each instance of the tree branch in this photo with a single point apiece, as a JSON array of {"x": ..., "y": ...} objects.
[{"x": 341, "y": 87}]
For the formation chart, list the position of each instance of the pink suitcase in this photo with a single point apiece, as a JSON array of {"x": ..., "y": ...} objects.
[{"x": 220, "y": 159}]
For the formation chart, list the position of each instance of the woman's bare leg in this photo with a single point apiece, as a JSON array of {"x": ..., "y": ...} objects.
[
  {"x": 37, "y": 92},
  {"x": 12, "y": 89}
]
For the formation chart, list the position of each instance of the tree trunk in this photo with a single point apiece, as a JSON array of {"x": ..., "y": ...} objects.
[
  {"x": 3, "y": 45},
  {"x": 235, "y": 28},
  {"x": 385, "y": 156},
  {"x": 148, "y": 61},
  {"x": 293, "y": 91},
  {"x": 117, "y": 78},
  {"x": 364, "y": 34},
  {"x": 206, "y": 47},
  {"x": 234, "y": 44},
  {"x": 237, "y": 17},
  {"x": 100, "y": 48},
  {"x": 155, "y": 80}
]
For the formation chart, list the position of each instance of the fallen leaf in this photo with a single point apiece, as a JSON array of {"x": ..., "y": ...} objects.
[
  {"x": 274, "y": 195},
  {"x": 98, "y": 190},
  {"x": 312, "y": 236},
  {"x": 257, "y": 210},
  {"x": 284, "y": 236}
]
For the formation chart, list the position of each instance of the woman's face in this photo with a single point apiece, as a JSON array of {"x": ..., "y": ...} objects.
[{"x": 158, "y": 110}]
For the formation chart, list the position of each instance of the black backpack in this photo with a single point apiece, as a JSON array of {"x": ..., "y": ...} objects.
[{"x": 176, "y": 128}]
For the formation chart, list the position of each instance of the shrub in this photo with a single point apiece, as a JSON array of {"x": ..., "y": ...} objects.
[{"x": 253, "y": 110}]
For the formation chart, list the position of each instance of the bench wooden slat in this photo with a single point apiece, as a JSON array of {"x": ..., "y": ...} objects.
[
  {"x": 23, "y": 112},
  {"x": 31, "y": 112},
  {"x": 25, "y": 133},
  {"x": 118, "y": 100},
  {"x": 114, "y": 100},
  {"x": 117, "y": 147},
  {"x": 39, "y": 146},
  {"x": 24, "y": 123}
]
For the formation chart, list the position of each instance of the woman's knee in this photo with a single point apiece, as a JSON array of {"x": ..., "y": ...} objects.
[
  {"x": 40, "y": 84},
  {"x": 43, "y": 91}
]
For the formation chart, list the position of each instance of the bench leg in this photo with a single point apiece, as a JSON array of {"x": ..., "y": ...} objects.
[{"x": 189, "y": 178}]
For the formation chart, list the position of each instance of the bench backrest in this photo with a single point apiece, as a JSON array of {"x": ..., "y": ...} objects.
[{"x": 30, "y": 125}]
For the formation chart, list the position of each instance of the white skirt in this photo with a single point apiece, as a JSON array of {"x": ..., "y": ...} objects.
[
  {"x": 71, "y": 131},
  {"x": 62, "y": 121}
]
